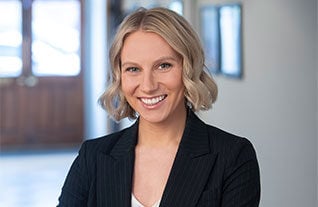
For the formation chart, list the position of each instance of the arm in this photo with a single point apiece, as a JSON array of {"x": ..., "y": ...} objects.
[
  {"x": 241, "y": 179},
  {"x": 76, "y": 186}
]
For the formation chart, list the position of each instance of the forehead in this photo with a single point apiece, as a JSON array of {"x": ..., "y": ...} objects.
[{"x": 141, "y": 43}]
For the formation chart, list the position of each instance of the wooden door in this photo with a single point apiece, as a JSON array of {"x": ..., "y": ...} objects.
[
  {"x": 42, "y": 105},
  {"x": 49, "y": 114}
]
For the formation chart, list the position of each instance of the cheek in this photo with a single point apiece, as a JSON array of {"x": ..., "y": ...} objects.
[
  {"x": 127, "y": 85},
  {"x": 175, "y": 82},
  {"x": 176, "y": 85}
]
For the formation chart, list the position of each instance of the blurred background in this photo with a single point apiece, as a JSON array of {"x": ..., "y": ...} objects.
[{"x": 53, "y": 65}]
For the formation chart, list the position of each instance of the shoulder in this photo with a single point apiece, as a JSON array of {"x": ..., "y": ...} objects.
[
  {"x": 106, "y": 143},
  {"x": 221, "y": 142},
  {"x": 236, "y": 166},
  {"x": 220, "y": 138},
  {"x": 230, "y": 148}
]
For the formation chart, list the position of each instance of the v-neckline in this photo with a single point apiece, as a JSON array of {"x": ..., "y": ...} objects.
[{"x": 136, "y": 203}]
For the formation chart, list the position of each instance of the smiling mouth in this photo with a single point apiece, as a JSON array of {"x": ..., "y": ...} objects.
[{"x": 153, "y": 101}]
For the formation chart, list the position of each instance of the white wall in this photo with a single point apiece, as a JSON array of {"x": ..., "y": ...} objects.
[
  {"x": 317, "y": 93},
  {"x": 275, "y": 104}
]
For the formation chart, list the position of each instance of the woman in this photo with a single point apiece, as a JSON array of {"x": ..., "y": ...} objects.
[{"x": 168, "y": 157}]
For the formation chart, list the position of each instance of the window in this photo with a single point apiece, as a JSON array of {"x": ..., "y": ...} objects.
[
  {"x": 10, "y": 38},
  {"x": 221, "y": 35},
  {"x": 40, "y": 37},
  {"x": 131, "y": 5}
]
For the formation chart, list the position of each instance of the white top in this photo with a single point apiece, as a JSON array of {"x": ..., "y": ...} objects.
[{"x": 136, "y": 203}]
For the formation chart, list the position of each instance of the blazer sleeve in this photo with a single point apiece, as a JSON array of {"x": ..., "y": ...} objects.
[
  {"x": 76, "y": 186},
  {"x": 241, "y": 178}
]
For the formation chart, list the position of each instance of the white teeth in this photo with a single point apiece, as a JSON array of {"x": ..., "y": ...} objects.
[{"x": 152, "y": 101}]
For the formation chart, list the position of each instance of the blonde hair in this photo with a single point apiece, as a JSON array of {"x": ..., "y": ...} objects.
[{"x": 200, "y": 88}]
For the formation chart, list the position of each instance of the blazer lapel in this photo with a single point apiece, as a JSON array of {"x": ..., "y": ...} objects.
[
  {"x": 191, "y": 168},
  {"x": 115, "y": 170},
  {"x": 190, "y": 171}
]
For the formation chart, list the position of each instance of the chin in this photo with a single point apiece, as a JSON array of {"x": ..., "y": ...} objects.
[{"x": 153, "y": 118}]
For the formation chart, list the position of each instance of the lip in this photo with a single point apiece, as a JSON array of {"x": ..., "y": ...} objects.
[{"x": 152, "y": 101}]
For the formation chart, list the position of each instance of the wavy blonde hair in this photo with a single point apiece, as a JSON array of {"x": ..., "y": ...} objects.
[{"x": 200, "y": 88}]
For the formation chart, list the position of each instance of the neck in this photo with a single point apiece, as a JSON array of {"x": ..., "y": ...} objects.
[{"x": 162, "y": 134}]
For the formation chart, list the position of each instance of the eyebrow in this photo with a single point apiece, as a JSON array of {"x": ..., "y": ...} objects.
[{"x": 165, "y": 58}]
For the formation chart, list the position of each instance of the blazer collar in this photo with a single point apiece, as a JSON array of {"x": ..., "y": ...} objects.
[
  {"x": 192, "y": 166},
  {"x": 126, "y": 142},
  {"x": 194, "y": 140},
  {"x": 115, "y": 171},
  {"x": 187, "y": 178}
]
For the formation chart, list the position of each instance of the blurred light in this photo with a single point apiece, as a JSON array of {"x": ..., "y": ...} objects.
[
  {"x": 10, "y": 66},
  {"x": 176, "y": 6},
  {"x": 10, "y": 38}
]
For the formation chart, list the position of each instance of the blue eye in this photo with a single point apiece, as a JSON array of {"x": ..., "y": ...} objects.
[
  {"x": 165, "y": 66},
  {"x": 132, "y": 69}
]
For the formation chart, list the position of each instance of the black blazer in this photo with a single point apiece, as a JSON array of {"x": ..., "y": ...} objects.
[{"x": 212, "y": 168}]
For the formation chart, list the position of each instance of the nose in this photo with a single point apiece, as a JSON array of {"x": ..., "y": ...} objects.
[{"x": 149, "y": 82}]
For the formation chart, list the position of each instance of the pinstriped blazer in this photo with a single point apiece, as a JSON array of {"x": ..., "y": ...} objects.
[{"x": 212, "y": 168}]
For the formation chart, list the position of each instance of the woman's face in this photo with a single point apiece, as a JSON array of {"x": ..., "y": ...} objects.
[{"x": 151, "y": 77}]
